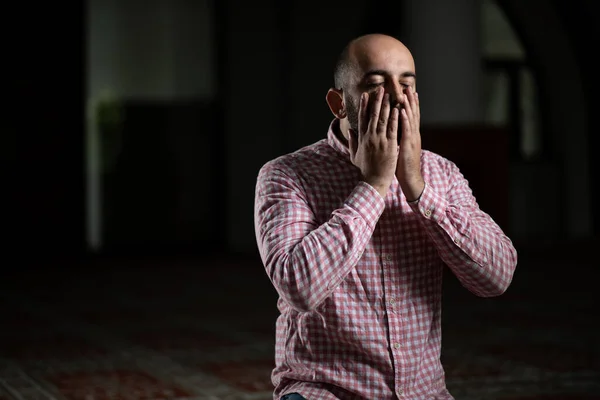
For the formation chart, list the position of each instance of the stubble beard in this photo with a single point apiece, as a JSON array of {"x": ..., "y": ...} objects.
[{"x": 352, "y": 114}]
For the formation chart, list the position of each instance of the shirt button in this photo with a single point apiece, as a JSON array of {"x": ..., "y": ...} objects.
[
  {"x": 388, "y": 257},
  {"x": 397, "y": 346},
  {"x": 428, "y": 213},
  {"x": 392, "y": 301},
  {"x": 400, "y": 392}
]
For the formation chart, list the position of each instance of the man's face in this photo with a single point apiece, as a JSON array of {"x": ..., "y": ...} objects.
[{"x": 383, "y": 63}]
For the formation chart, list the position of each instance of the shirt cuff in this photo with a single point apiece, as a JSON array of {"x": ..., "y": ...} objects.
[
  {"x": 430, "y": 205},
  {"x": 367, "y": 201}
]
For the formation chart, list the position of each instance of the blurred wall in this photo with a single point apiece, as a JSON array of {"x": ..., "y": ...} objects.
[
  {"x": 554, "y": 198},
  {"x": 158, "y": 50},
  {"x": 159, "y": 60},
  {"x": 240, "y": 83}
]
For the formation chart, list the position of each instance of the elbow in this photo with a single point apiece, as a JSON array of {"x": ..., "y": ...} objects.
[
  {"x": 492, "y": 290},
  {"x": 301, "y": 305},
  {"x": 497, "y": 284},
  {"x": 293, "y": 289},
  {"x": 495, "y": 287},
  {"x": 299, "y": 300}
]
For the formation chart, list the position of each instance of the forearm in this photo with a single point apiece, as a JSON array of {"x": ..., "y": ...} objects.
[
  {"x": 469, "y": 242},
  {"x": 306, "y": 262}
]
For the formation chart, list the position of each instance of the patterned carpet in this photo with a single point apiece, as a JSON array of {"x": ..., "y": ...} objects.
[{"x": 204, "y": 330}]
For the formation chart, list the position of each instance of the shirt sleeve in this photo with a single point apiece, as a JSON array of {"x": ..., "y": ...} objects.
[
  {"x": 468, "y": 240},
  {"x": 306, "y": 261}
]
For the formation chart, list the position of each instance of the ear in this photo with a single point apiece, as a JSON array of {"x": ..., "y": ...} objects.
[{"x": 335, "y": 101}]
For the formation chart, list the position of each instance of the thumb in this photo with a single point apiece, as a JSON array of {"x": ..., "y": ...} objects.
[{"x": 352, "y": 142}]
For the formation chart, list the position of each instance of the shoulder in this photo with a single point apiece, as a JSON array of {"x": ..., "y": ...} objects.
[
  {"x": 293, "y": 164},
  {"x": 435, "y": 160},
  {"x": 437, "y": 167}
]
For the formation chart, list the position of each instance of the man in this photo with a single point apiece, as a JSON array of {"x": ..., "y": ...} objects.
[{"x": 354, "y": 232}]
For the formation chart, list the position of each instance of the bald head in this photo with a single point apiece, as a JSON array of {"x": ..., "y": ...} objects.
[
  {"x": 366, "y": 50},
  {"x": 368, "y": 63}
]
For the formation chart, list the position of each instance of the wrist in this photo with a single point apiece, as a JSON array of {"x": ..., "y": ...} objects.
[
  {"x": 413, "y": 191},
  {"x": 380, "y": 186}
]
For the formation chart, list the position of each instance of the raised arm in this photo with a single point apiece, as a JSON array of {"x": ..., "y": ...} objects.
[
  {"x": 304, "y": 260},
  {"x": 469, "y": 241},
  {"x": 307, "y": 261}
]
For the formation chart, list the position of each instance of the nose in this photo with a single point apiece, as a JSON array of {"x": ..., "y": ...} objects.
[{"x": 396, "y": 91}]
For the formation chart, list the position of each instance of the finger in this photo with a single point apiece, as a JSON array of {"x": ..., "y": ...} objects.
[
  {"x": 352, "y": 143},
  {"x": 374, "y": 110},
  {"x": 417, "y": 107},
  {"x": 392, "y": 127},
  {"x": 406, "y": 107},
  {"x": 412, "y": 100},
  {"x": 363, "y": 118},
  {"x": 384, "y": 115},
  {"x": 406, "y": 130}
]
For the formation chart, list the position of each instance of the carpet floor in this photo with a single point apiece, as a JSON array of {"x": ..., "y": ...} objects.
[{"x": 204, "y": 329}]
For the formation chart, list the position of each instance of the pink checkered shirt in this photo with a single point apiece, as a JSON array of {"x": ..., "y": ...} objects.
[{"x": 359, "y": 277}]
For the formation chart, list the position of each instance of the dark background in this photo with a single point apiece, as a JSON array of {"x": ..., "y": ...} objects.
[
  {"x": 47, "y": 172},
  {"x": 206, "y": 253}
]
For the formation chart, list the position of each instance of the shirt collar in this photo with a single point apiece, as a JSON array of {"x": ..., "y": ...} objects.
[{"x": 336, "y": 140}]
